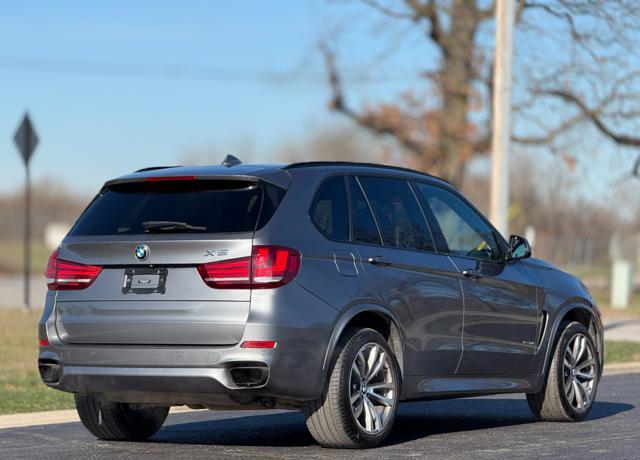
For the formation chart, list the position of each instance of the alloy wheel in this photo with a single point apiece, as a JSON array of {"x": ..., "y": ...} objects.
[
  {"x": 372, "y": 388},
  {"x": 579, "y": 372}
]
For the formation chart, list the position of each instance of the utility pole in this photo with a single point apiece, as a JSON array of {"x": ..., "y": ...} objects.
[{"x": 501, "y": 126}]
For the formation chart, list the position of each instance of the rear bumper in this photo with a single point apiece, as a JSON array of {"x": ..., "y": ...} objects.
[
  {"x": 195, "y": 374},
  {"x": 161, "y": 386},
  {"x": 97, "y": 379},
  {"x": 290, "y": 371},
  {"x": 88, "y": 379}
]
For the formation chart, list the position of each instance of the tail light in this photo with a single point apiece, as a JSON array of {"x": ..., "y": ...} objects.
[
  {"x": 65, "y": 275},
  {"x": 232, "y": 274},
  {"x": 268, "y": 267}
]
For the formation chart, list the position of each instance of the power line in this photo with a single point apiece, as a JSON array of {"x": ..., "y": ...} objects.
[{"x": 182, "y": 72}]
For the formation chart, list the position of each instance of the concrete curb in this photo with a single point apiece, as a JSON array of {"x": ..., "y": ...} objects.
[
  {"x": 70, "y": 416},
  {"x": 53, "y": 417},
  {"x": 622, "y": 368}
]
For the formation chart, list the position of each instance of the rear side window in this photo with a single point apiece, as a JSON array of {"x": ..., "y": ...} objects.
[
  {"x": 397, "y": 212},
  {"x": 330, "y": 209},
  {"x": 272, "y": 196},
  {"x": 206, "y": 206}
]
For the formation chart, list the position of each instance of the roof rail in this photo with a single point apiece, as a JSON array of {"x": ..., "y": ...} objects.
[
  {"x": 152, "y": 168},
  {"x": 365, "y": 165}
]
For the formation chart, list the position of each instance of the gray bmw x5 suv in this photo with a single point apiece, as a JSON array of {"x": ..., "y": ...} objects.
[{"x": 339, "y": 289}]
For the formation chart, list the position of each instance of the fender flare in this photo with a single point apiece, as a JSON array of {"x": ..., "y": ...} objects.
[
  {"x": 560, "y": 315},
  {"x": 342, "y": 321}
]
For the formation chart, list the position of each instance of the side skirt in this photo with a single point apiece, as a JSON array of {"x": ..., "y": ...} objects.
[{"x": 461, "y": 386}]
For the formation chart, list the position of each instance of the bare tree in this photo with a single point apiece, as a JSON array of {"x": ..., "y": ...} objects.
[
  {"x": 334, "y": 143},
  {"x": 576, "y": 67},
  {"x": 570, "y": 230}
]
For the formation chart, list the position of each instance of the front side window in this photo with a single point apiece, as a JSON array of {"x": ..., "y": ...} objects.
[
  {"x": 397, "y": 212},
  {"x": 464, "y": 231},
  {"x": 330, "y": 210}
]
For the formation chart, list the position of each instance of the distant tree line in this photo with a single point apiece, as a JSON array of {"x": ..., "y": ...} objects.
[{"x": 51, "y": 202}]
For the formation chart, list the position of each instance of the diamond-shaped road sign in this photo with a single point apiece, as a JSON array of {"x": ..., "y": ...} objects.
[{"x": 26, "y": 139}]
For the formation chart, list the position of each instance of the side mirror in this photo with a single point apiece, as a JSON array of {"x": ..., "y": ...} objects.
[{"x": 519, "y": 248}]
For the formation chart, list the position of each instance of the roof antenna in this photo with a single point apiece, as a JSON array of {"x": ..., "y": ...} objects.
[{"x": 230, "y": 160}]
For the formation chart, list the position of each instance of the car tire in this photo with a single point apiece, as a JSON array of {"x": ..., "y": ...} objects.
[
  {"x": 345, "y": 415},
  {"x": 572, "y": 382},
  {"x": 112, "y": 421}
]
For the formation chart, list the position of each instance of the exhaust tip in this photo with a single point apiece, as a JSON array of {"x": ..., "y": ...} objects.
[
  {"x": 49, "y": 372},
  {"x": 249, "y": 377}
]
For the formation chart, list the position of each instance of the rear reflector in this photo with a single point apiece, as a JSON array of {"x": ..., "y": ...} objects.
[
  {"x": 64, "y": 275},
  {"x": 258, "y": 344},
  {"x": 268, "y": 267},
  {"x": 44, "y": 342}
]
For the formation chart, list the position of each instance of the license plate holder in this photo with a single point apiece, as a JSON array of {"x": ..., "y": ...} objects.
[{"x": 144, "y": 280}]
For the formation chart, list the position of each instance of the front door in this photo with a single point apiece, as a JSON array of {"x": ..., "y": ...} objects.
[
  {"x": 501, "y": 318},
  {"x": 500, "y": 302}
]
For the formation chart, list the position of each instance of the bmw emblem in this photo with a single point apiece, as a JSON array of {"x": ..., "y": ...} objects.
[{"x": 141, "y": 252}]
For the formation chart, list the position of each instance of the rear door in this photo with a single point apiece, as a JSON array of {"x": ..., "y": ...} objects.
[
  {"x": 149, "y": 237},
  {"x": 420, "y": 287},
  {"x": 501, "y": 313},
  {"x": 330, "y": 215}
]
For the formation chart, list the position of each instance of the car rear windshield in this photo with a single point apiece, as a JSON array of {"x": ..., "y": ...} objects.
[{"x": 180, "y": 206}]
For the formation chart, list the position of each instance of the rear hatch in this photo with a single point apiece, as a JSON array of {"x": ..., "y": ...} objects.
[{"x": 147, "y": 239}]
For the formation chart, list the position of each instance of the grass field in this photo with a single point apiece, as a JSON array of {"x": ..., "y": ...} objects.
[
  {"x": 621, "y": 352},
  {"x": 20, "y": 387},
  {"x": 602, "y": 299},
  {"x": 22, "y": 391},
  {"x": 601, "y": 293},
  {"x": 11, "y": 256}
]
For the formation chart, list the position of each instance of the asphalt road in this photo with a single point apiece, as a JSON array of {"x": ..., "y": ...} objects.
[{"x": 491, "y": 427}]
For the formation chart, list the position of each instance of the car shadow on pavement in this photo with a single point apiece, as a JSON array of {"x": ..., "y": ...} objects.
[
  {"x": 439, "y": 417},
  {"x": 414, "y": 421}
]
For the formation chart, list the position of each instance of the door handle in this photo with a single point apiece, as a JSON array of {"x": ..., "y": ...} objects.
[
  {"x": 378, "y": 261},
  {"x": 471, "y": 274}
]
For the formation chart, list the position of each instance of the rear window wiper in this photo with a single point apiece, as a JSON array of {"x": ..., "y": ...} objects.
[{"x": 151, "y": 226}]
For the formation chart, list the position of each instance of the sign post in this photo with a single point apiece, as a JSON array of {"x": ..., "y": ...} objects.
[{"x": 26, "y": 140}]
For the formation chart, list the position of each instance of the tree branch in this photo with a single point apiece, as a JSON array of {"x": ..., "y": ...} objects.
[
  {"x": 374, "y": 124},
  {"x": 489, "y": 12},
  {"x": 551, "y": 134},
  {"x": 387, "y": 11},
  {"x": 636, "y": 168},
  {"x": 519, "y": 9},
  {"x": 593, "y": 115},
  {"x": 429, "y": 11}
]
